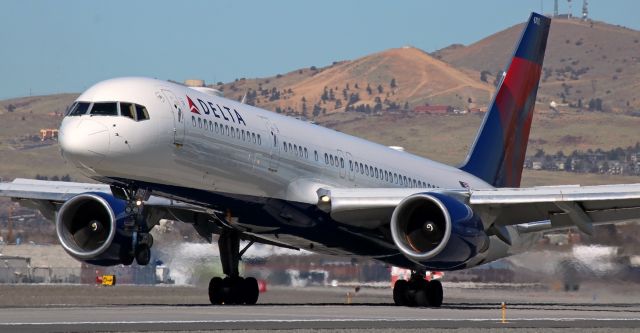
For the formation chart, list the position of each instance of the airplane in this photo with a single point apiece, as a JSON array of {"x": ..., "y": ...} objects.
[{"x": 161, "y": 150}]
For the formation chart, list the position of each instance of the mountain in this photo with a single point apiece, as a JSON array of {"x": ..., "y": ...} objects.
[
  {"x": 392, "y": 79},
  {"x": 585, "y": 60}
]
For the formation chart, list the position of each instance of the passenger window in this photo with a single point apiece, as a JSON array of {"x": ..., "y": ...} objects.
[
  {"x": 351, "y": 165},
  {"x": 331, "y": 159},
  {"x": 361, "y": 169},
  {"x": 200, "y": 122},
  {"x": 366, "y": 169},
  {"x": 285, "y": 146},
  {"x": 141, "y": 113},
  {"x": 386, "y": 175},
  {"x": 193, "y": 120},
  {"x": 243, "y": 136},
  {"x": 377, "y": 175},
  {"x": 300, "y": 150},
  {"x": 295, "y": 149},
  {"x": 290, "y": 147},
  {"x": 405, "y": 180},
  {"x": 226, "y": 129},
  {"x": 78, "y": 109},
  {"x": 259, "y": 140},
  {"x": 233, "y": 132},
  {"x": 306, "y": 153},
  {"x": 415, "y": 184},
  {"x": 315, "y": 154},
  {"x": 253, "y": 137},
  {"x": 216, "y": 125},
  {"x": 104, "y": 109},
  {"x": 127, "y": 110},
  {"x": 326, "y": 158},
  {"x": 395, "y": 178}
]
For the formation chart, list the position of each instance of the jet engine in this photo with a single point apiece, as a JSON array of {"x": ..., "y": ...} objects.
[
  {"x": 91, "y": 228},
  {"x": 437, "y": 230}
]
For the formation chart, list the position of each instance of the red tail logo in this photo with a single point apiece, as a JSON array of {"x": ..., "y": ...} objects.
[{"x": 192, "y": 106}]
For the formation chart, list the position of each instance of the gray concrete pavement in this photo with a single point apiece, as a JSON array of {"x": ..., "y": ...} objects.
[{"x": 88, "y": 308}]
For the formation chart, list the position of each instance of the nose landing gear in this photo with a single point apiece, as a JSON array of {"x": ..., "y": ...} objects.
[
  {"x": 141, "y": 240},
  {"x": 233, "y": 289},
  {"x": 418, "y": 292}
]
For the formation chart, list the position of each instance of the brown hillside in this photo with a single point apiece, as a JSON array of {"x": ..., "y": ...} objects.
[
  {"x": 419, "y": 79},
  {"x": 584, "y": 60}
]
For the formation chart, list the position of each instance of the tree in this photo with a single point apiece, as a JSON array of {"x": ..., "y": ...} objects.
[
  {"x": 380, "y": 89},
  {"x": 539, "y": 153},
  {"x": 369, "y": 90},
  {"x": 483, "y": 76},
  {"x": 355, "y": 97},
  {"x": 393, "y": 84},
  {"x": 11, "y": 107},
  {"x": 316, "y": 110},
  {"x": 406, "y": 105},
  {"x": 378, "y": 106}
]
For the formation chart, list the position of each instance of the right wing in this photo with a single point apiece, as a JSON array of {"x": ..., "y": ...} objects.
[{"x": 47, "y": 197}]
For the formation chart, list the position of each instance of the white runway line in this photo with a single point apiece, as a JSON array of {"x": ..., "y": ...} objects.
[{"x": 308, "y": 321}]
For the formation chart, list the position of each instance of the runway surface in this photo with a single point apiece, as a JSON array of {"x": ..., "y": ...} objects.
[{"x": 307, "y": 309}]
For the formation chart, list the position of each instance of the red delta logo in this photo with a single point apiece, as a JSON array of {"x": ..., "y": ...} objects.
[{"x": 192, "y": 106}]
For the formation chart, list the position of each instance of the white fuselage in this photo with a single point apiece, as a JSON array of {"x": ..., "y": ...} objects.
[{"x": 223, "y": 152}]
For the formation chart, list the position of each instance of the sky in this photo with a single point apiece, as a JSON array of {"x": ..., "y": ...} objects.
[{"x": 52, "y": 47}]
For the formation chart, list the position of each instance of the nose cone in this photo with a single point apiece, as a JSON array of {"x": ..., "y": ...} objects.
[{"x": 83, "y": 140}]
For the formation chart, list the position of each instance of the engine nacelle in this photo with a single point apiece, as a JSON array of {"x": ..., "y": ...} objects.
[
  {"x": 90, "y": 227},
  {"x": 437, "y": 231}
]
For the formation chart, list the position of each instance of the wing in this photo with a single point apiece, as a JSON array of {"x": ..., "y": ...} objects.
[
  {"x": 48, "y": 196},
  {"x": 532, "y": 208}
]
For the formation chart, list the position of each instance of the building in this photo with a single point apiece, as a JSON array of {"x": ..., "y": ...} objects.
[
  {"x": 48, "y": 133},
  {"x": 433, "y": 109}
]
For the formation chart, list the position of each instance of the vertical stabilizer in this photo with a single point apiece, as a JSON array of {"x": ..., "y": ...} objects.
[{"x": 497, "y": 155}]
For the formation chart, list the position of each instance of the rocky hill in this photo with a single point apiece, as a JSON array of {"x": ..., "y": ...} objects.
[
  {"x": 585, "y": 61},
  {"x": 395, "y": 79}
]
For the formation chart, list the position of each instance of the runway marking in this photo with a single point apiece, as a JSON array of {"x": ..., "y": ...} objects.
[{"x": 376, "y": 320}]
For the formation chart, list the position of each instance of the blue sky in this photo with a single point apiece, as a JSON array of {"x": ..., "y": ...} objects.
[{"x": 66, "y": 46}]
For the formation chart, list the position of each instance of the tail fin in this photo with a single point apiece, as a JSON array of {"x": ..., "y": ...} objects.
[{"x": 498, "y": 153}]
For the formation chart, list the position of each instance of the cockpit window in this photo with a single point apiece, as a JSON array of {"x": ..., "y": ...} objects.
[
  {"x": 141, "y": 113},
  {"x": 104, "y": 109},
  {"x": 128, "y": 110},
  {"x": 78, "y": 109}
]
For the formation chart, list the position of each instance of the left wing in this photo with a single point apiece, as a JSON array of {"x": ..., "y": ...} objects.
[{"x": 558, "y": 206}]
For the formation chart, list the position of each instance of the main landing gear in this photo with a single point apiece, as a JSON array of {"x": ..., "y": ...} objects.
[
  {"x": 233, "y": 289},
  {"x": 417, "y": 292}
]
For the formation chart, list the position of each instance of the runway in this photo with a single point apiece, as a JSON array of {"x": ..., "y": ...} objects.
[{"x": 301, "y": 309}]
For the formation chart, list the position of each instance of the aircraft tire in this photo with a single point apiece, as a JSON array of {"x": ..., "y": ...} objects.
[
  {"x": 143, "y": 254},
  {"x": 421, "y": 292},
  {"x": 250, "y": 291},
  {"x": 215, "y": 291},
  {"x": 126, "y": 258},
  {"x": 400, "y": 289},
  {"x": 435, "y": 293}
]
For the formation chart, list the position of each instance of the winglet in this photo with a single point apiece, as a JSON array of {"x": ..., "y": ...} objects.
[{"x": 498, "y": 153}]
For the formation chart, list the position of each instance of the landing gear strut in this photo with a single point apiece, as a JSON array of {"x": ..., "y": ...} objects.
[
  {"x": 418, "y": 292},
  {"x": 233, "y": 289},
  {"x": 142, "y": 241}
]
